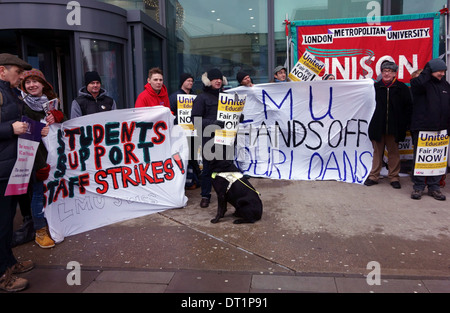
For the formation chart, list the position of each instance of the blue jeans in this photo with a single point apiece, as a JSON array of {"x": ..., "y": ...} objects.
[{"x": 37, "y": 205}]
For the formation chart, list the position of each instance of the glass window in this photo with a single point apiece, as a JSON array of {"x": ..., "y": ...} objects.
[
  {"x": 312, "y": 10},
  {"x": 106, "y": 58},
  {"x": 230, "y": 35},
  {"x": 150, "y": 7},
  {"x": 152, "y": 53},
  {"x": 414, "y": 6}
]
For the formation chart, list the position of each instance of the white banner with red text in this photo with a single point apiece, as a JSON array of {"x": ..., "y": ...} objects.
[{"x": 113, "y": 166}]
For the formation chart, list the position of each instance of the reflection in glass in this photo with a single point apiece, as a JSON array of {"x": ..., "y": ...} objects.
[
  {"x": 107, "y": 59},
  {"x": 230, "y": 35}
]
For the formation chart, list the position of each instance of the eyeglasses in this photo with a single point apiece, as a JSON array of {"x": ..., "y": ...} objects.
[{"x": 387, "y": 71}]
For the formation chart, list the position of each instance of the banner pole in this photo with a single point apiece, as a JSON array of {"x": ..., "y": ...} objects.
[{"x": 287, "y": 23}]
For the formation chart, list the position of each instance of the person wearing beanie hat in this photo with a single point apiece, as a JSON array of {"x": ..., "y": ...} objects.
[
  {"x": 90, "y": 77},
  {"x": 11, "y": 127},
  {"x": 389, "y": 124},
  {"x": 244, "y": 79},
  {"x": 431, "y": 112},
  {"x": 155, "y": 93},
  {"x": 205, "y": 107},
  {"x": 328, "y": 77},
  {"x": 38, "y": 92},
  {"x": 186, "y": 83},
  {"x": 193, "y": 172},
  {"x": 92, "y": 98},
  {"x": 437, "y": 65}
]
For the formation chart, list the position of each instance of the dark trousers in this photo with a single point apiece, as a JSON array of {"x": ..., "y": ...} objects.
[
  {"x": 420, "y": 182},
  {"x": 8, "y": 207},
  {"x": 206, "y": 182}
]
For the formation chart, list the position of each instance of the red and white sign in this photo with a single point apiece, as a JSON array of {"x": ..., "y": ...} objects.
[{"x": 355, "y": 49}]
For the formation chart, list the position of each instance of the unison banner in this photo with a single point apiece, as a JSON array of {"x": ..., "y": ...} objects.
[
  {"x": 307, "y": 130},
  {"x": 113, "y": 166},
  {"x": 355, "y": 49}
]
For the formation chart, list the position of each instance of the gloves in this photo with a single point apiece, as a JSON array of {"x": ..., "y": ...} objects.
[
  {"x": 58, "y": 115},
  {"x": 241, "y": 118},
  {"x": 43, "y": 173},
  {"x": 221, "y": 124}
]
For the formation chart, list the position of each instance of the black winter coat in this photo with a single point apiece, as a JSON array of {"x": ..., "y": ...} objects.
[
  {"x": 431, "y": 108},
  {"x": 11, "y": 111},
  {"x": 392, "y": 112},
  {"x": 205, "y": 106},
  {"x": 173, "y": 99},
  {"x": 41, "y": 155}
]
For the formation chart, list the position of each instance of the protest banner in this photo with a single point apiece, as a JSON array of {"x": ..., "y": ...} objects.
[
  {"x": 354, "y": 49},
  {"x": 307, "y": 68},
  {"x": 113, "y": 166},
  {"x": 307, "y": 130},
  {"x": 184, "y": 110},
  {"x": 27, "y": 146},
  {"x": 229, "y": 111},
  {"x": 432, "y": 153}
]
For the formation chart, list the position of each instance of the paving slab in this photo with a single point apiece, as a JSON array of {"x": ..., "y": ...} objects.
[
  {"x": 360, "y": 285},
  {"x": 209, "y": 282},
  {"x": 294, "y": 283}
]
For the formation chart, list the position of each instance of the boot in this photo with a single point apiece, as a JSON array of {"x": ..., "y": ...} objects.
[
  {"x": 43, "y": 238},
  {"x": 25, "y": 233},
  {"x": 11, "y": 283}
]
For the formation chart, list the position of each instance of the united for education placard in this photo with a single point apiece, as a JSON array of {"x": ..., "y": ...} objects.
[
  {"x": 432, "y": 153},
  {"x": 229, "y": 111}
]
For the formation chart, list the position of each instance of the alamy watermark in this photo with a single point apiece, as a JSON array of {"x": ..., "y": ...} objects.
[
  {"x": 374, "y": 276},
  {"x": 74, "y": 277},
  {"x": 374, "y": 16},
  {"x": 74, "y": 16}
]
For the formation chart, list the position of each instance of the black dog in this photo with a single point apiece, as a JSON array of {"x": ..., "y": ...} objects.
[{"x": 239, "y": 193}]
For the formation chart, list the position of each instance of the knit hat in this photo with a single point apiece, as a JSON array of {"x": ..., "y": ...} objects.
[
  {"x": 279, "y": 68},
  {"x": 215, "y": 74},
  {"x": 437, "y": 65},
  {"x": 240, "y": 76},
  {"x": 35, "y": 73},
  {"x": 327, "y": 76},
  {"x": 184, "y": 77},
  {"x": 389, "y": 66},
  {"x": 90, "y": 77},
  {"x": 9, "y": 59}
]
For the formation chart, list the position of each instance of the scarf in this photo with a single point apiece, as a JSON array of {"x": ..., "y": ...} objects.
[
  {"x": 389, "y": 84},
  {"x": 36, "y": 103}
]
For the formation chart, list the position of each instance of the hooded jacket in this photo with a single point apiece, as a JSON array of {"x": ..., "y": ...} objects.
[
  {"x": 431, "y": 102},
  {"x": 149, "y": 97},
  {"x": 86, "y": 104},
  {"x": 206, "y": 105},
  {"x": 11, "y": 112}
]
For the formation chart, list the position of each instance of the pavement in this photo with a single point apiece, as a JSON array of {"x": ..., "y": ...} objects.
[{"x": 314, "y": 237}]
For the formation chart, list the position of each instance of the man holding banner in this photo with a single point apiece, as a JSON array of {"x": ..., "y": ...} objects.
[{"x": 429, "y": 125}]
